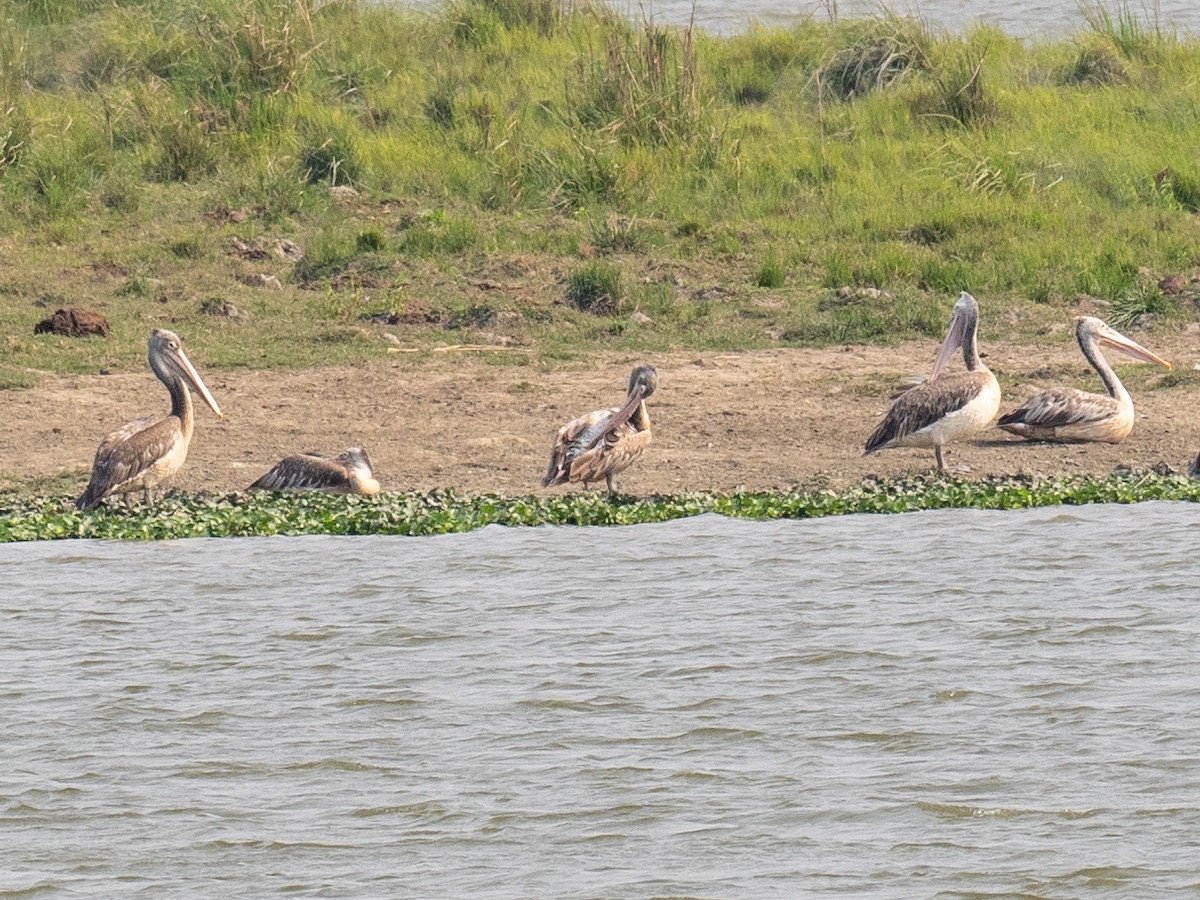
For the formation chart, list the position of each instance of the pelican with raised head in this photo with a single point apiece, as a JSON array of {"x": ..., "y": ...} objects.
[
  {"x": 1069, "y": 414},
  {"x": 148, "y": 452},
  {"x": 605, "y": 442},
  {"x": 346, "y": 473},
  {"x": 946, "y": 408}
]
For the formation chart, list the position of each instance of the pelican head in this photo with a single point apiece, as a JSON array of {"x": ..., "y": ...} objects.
[
  {"x": 168, "y": 361},
  {"x": 961, "y": 333},
  {"x": 643, "y": 379},
  {"x": 1090, "y": 330},
  {"x": 356, "y": 460}
]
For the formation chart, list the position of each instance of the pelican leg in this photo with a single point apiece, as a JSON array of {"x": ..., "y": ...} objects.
[
  {"x": 941, "y": 460},
  {"x": 612, "y": 488}
]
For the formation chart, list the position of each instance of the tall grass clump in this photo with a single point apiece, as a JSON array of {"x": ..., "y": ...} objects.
[
  {"x": 643, "y": 90},
  {"x": 873, "y": 53},
  {"x": 438, "y": 233},
  {"x": 595, "y": 288},
  {"x": 1124, "y": 30},
  {"x": 961, "y": 96},
  {"x": 771, "y": 273},
  {"x": 1096, "y": 64},
  {"x": 540, "y": 16}
]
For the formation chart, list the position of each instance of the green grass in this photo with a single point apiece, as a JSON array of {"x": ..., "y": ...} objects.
[
  {"x": 440, "y": 512},
  {"x": 411, "y": 158}
]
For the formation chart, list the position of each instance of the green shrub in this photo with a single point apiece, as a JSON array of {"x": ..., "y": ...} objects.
[
  {"x": 770, "y": 274},
  {"x": 437, "y": 233},
  {"x": 595, "y": 288},
  {"x": 875, "y": 53}
]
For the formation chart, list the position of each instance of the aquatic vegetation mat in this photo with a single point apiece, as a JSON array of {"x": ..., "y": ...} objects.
[{"x": 441, "y": 512}]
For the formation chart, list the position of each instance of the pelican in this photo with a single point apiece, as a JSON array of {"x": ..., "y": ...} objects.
[
  {"x": 347, "y": 473},
  {"x": 147, "y": 452},
  {"x": 947, "y": 408},
  {"x": 1068, "y": 414},
  {"x": 604, "y": 442}
]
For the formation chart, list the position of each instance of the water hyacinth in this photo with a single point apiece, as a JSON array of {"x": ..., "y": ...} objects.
[{"x": 182, "y": 515}]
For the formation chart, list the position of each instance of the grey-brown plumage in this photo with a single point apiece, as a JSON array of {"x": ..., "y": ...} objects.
[
  {"x": 347, "y": 473},
  {"x": 946, "y": 408},
  {"x": 147, "y": 452},
  {"x": 1069, "y": 414},
  {"x": 605, "y": 442},
  {"x": 917, "y": 409}
]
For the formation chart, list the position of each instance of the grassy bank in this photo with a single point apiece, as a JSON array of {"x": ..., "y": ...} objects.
[
  {"x": 260, "y": 514},
  {"x": 290, "y": 183}
]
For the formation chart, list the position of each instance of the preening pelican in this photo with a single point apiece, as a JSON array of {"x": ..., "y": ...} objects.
[
  {"x": 1068, "y": 414},
  {"x": 947, "y": 408},
  {"x": 347, "y": 473},
  {"x": 606, "y": 441},
  {"x": 147, "y": 452}
]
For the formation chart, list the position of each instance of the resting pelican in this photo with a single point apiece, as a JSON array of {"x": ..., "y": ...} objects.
[
  {"x": 948, "y": 408},
  {"x": 347, "y": 473},
  {"x": 606, "y": 441},
  {"x": 147, "y": 452},
  {"x": 1068, "y": 414}
]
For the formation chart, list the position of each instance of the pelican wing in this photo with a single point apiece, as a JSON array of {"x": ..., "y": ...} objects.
[
  {"x": 1058, "y": 407},
  {"x": 620, "y": 447},
  {"x": 305, "y": 472},
  {"x": 128, "y": 453},
  {"x": 572, "y": 440},
  {"x": 925, "y": 405}
]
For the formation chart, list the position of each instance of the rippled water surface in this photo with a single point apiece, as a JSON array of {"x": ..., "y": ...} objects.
[
  {"x": 1023, "y": 18},
  {"x": 953, "y": 704}
]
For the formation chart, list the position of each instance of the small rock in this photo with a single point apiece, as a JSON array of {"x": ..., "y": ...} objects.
[
  {"x": 248, "y": 250},
  {"x": 288, "y": 250},
  {"x": 223, "y": 308},
  {"x": 343, "y": 193},
  {"x": 1172, "y": 285},
  {"x": 262, "y": 279},
  {"x": 641, "y": 318},
  {"x": 73, "y": 321},
  {"x": 711, "y": 293}
]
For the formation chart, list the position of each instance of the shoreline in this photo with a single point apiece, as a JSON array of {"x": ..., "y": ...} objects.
[{"x": 765, "y": 420}]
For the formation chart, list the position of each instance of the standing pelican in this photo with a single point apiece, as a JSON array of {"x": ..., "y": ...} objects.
[
  {"x": 946, "y": 409},
  {"x": 1068, "y": 414},
  {"x": 604, "y": 442},
  {"x": 147, "y": 452},
  {"x": 347, "y": 473}
]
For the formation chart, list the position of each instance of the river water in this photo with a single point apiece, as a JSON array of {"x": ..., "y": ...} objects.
[
  {"x": 950, "y": 704},
  {"x": 1023, "y": 18}
]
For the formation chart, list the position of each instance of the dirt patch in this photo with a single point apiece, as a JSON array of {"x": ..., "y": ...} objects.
[{"x": 756, "y": 420}]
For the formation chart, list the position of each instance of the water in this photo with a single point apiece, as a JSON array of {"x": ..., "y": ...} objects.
[
  {"x": 952, "y": 704},
  {"x": 1023, "y": 18}
]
